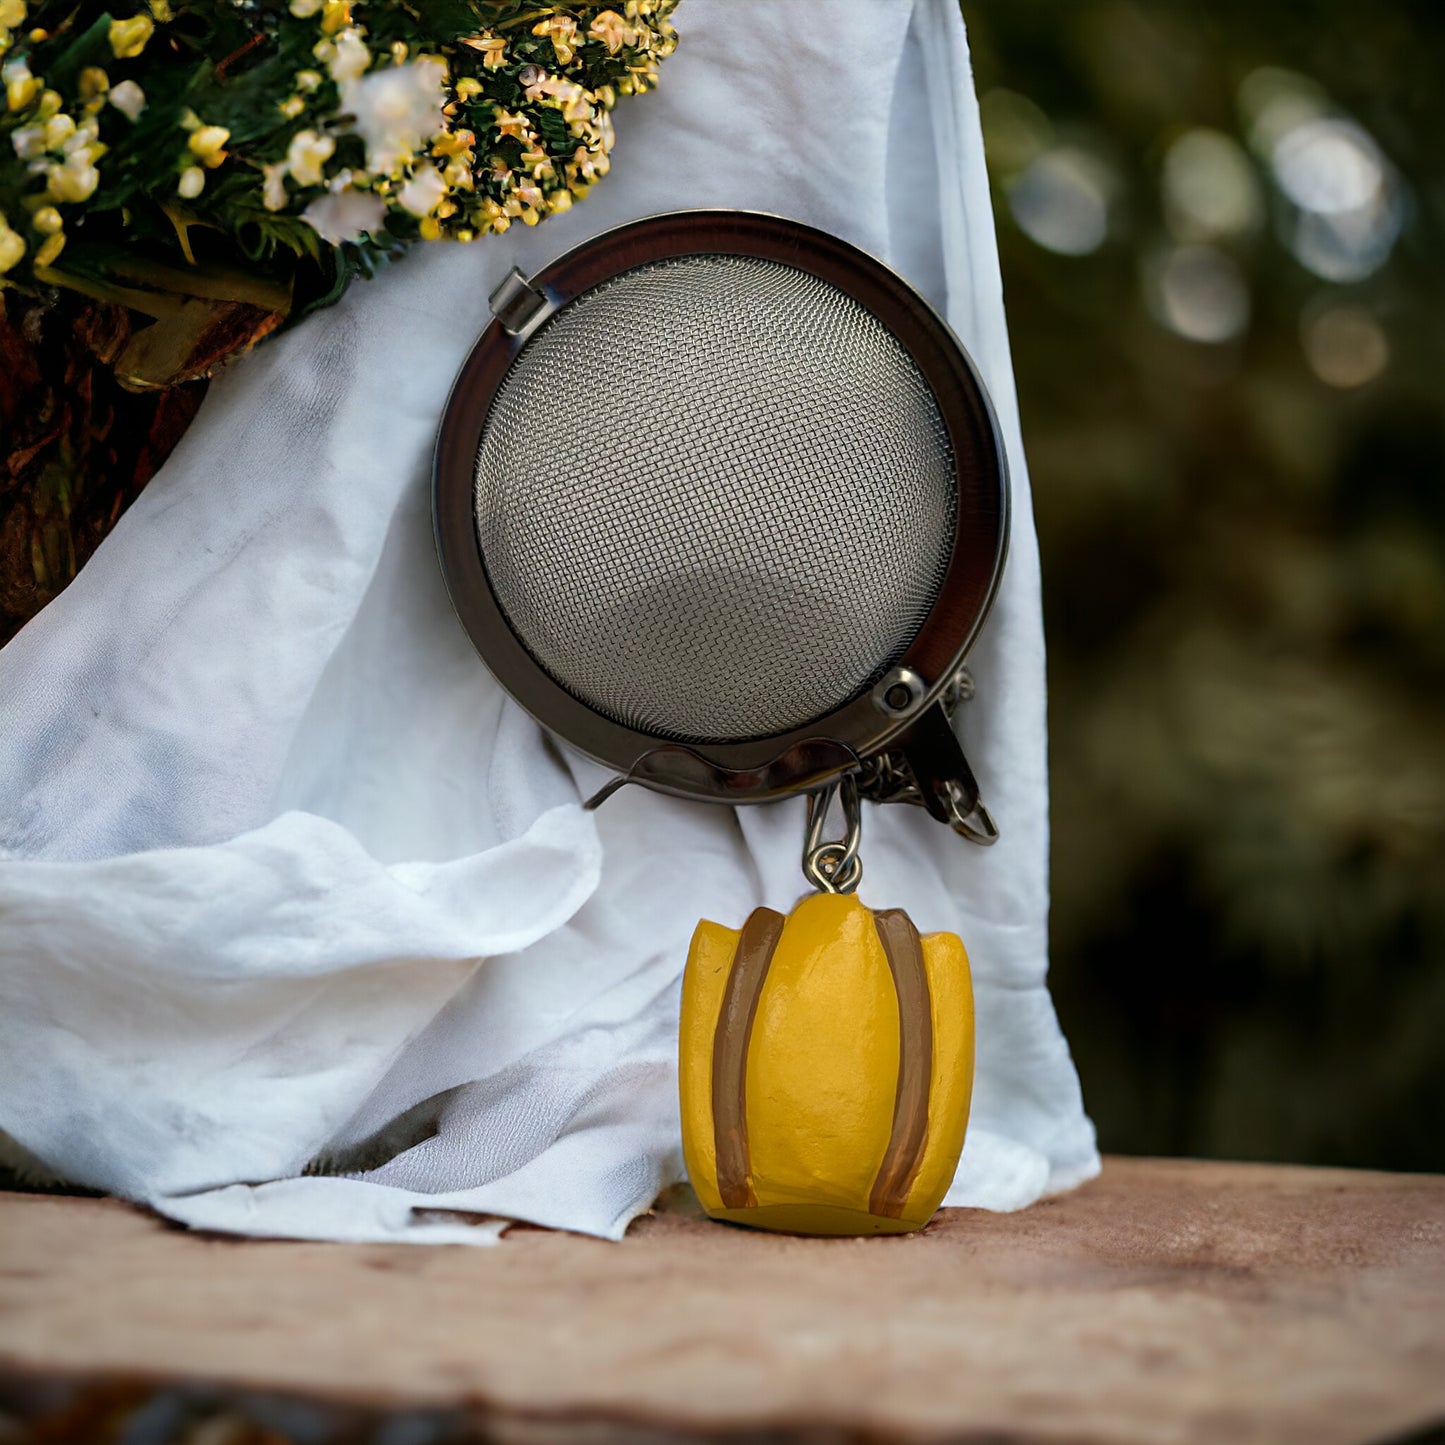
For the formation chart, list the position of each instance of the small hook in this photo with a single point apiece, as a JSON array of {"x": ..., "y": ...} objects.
[{"x": 834, "y": 867}]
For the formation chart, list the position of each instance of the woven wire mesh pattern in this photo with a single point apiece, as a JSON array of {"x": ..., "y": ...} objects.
[{"x": 715, "y": 498}]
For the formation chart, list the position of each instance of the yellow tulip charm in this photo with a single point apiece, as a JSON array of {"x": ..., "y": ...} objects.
[{"x": 826, "y": 1066}]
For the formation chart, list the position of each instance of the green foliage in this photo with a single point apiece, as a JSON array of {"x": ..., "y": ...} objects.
[{"x": 302, "y": 143}]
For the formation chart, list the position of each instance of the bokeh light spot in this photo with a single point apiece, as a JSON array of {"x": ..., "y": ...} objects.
[
  {"x": 1330, "y": 167},
  {"x": 1273, "y": 102},
  {"x": 1015, "y": 131},
  {"x": 1345, "y": 345},
  {"x": 1061, "y": 202},
  {"x": 1199, "y": 293},
  {"x": 1210, "y": 190},
  {"x": 1343, "y": 203}
]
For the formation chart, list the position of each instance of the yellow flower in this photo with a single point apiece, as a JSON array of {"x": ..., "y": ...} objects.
[
  {"x": 335, "y": 15},
  {"x": 512, "y": 125},
  {"x": 20, "y": 86},
  {"x": 559, "y": 201},
  {"x": 208, "y": 145},
  {"x": 93, "y": 81},
  {"x": 75, "y": 180},
  {"x": 306, "y": 155},
  {"x": 191, "y": 183},
  {"x": 12, "y": 246},
  {"x": 12, "y": 16},
  {"x": 161, "y": 10},
  {"x": 493, "y": 49},
  {"x": 562, "y": 30},
  {"x": 51, "y": 249},
  {"x": 58, "y": 130},
  {"x": 612, "y": 30},
  {"x": 307, "y": 80},
  {"x": 487, "y": 215},
  {"x": 468, "y": 86},
  {"x": 537, "y": 161},
  {"x": 47, "y": 220},
  {"x": 128, "y": 37},
  {"x": 453, "y": 143},
  {"x": 430, "y": 229},
  {"x": 291, "y": 107}
]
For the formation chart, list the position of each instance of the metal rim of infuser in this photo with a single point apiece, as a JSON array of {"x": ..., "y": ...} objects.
[{"x": 721, "y": 502}]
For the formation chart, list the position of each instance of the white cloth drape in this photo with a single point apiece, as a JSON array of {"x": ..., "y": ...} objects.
[{"x": 282, "y": 872}]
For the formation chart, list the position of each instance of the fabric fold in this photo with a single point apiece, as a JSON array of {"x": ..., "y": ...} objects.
[{"x": 285, "y": 879}]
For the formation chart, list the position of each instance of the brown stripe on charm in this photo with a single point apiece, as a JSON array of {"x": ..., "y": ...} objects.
[
  {"x": 756, "y": 945},
  {"x": 904, "y": 1156}
]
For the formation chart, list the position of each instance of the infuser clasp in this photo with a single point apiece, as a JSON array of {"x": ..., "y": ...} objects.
[{"x": 834, "y": 867}]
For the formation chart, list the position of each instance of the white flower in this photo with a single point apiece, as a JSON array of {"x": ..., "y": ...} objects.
[
  {"x": 306, "y": 155},
  {"x": 304, "y": 9},
  {"x": 191, "y": 183},
  {"x": 350, "y": 57},
  {"x": 344, "y": 215},
  {"x": 29, "y": 142},
  {"x": 273, "y": 189},
  {"x": 423, "y": 193},
  {"x": 128, "y": 98},
  {"x": 397, "y": 111},
  {"x": 75, "y": 180}
]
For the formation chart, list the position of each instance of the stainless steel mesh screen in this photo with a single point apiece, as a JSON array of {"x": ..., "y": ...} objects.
[{"x": 715, "y": 498}]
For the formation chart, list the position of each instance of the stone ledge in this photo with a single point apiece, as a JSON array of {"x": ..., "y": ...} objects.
[{"x": 1166, "y": 1301}]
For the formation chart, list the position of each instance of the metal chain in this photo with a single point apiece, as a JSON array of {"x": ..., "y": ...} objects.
[{"x": 834, "y": 867}]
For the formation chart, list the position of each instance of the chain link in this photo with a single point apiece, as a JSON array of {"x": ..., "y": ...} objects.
[{"x": 834, "y": 867}]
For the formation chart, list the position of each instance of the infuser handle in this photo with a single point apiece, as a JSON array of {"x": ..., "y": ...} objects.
[
  {"x": 927, "y": 766},
  {"x": 946, "y": 784}
]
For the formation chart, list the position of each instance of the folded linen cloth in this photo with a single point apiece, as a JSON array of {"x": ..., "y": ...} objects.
[{"x": 284, "y": 877}]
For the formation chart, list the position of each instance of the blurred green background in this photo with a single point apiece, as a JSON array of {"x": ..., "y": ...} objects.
[{"x": 1222, "y": 230}]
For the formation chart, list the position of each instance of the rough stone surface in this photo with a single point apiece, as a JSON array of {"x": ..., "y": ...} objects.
[{"x": 1166, "y": 1302}]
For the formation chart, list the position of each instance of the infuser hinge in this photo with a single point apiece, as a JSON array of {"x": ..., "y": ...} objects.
[
  {"x": 928, "y": 768},
  {"x": 516, "y": 303}
]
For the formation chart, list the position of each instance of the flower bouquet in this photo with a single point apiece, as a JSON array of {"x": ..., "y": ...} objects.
[{"x": 180, "y": 180}]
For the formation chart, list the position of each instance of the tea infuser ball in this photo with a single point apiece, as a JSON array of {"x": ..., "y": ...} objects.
[{"x": 723, "y": 504}]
